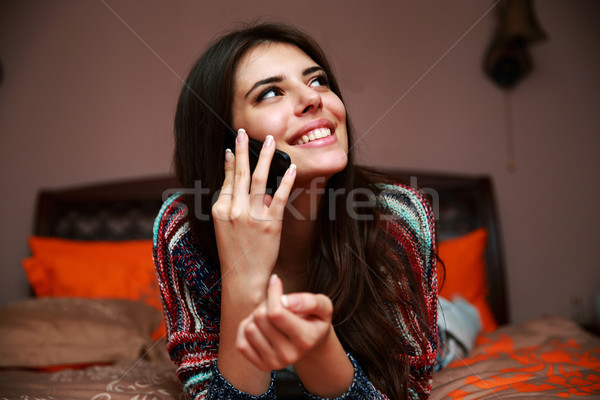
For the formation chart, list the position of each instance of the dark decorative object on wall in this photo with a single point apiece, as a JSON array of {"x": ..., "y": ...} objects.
[{"x": 507, "y": 59}]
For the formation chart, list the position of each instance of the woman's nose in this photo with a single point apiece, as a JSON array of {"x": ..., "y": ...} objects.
[{"x": 308, "y": 100}]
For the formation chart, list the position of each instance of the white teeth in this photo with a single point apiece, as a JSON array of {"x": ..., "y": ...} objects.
[
  {"x": 314, "y": 135},
  {"x": 324, "y": 132}
]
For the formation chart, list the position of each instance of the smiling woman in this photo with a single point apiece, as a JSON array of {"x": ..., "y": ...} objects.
[{"x": 331, "y": 279}]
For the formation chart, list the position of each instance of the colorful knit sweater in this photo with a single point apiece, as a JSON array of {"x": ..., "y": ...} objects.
[{"x": 191, "y": 290}]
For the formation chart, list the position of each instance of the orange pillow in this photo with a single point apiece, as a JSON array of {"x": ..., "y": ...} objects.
[
  {"x": 464, "y": 259},
  {"x": 93, "y": 269}
]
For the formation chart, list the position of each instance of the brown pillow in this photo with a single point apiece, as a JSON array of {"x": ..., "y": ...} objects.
[{"x": 73, "y": 331}]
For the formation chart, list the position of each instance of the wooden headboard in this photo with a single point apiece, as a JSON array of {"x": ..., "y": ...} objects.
[
  {"x": 105, "y": 211},
  {"x": 127, "y": 209}
]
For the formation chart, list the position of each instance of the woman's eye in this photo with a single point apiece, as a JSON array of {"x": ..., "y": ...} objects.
[
  {"x": 268, "y": 93},
  {"x": 320, "y": 80}
]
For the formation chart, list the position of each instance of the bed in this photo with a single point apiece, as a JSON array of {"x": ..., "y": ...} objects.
[{"x": 93, "y": 329}]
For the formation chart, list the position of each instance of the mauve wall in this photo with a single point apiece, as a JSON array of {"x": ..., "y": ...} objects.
[{"x": 90, "y": 87}]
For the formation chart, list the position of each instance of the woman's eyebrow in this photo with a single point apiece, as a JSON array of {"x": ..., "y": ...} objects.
[
  {"x": 310, "y": 70},
  {"x": 265, "y": 81}
]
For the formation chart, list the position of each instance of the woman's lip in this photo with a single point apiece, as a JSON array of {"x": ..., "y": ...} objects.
[{"x": 311, "y": 126}]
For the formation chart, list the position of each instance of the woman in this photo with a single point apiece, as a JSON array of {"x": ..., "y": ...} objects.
[{"x": 354, "y": 256}]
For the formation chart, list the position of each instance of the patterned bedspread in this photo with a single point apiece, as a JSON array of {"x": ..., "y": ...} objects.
[
  {"x": 546, "y": 358},
  {"x": 543, "y": 359},
  {"x": 134, "y": 380}
]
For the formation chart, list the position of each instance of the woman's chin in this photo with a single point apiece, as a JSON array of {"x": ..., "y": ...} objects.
[{"x": 320, "y": 172}]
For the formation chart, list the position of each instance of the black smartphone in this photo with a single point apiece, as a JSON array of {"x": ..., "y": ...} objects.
[{"x": 279, "y": 164}]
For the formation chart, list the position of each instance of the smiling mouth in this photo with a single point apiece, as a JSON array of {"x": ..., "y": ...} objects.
[{"x": 313, "y": 135}]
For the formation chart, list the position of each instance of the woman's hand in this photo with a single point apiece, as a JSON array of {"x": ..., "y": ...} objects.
[
  {"x": 296, "y": 329},
  {"x": 248, "y": 222},
  {"x": 248, "y": 233},
  {"x": 285, "y": 329}
]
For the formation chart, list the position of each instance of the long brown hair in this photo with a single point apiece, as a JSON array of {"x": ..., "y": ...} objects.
[{"x": 353, "y": 260}]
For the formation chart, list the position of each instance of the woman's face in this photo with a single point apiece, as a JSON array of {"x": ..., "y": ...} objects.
[{"x": 282, "y": 92}]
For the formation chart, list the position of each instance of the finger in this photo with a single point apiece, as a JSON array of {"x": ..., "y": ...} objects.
[
  {"x": 260, "y": 344},
  {"x": 229, "y": 172},
  {"x": 298, "y": 331},
  {"x": 317, "y": 305},
  {"x": 245, "y": 347},
  {"x": 274, "y": 293},
  {"x": 283, "y": 191},
  {"x": 276, "y": 315},
  {"x": 242, "y": 170},
  {"x": 281, "y": 351},
  {"x": 261, "y": 173},
  {"x": 287, "y": 322},
  {"x": 221, "y": 207}
]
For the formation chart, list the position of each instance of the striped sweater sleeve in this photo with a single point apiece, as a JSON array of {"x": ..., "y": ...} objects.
[
  {"x": 191, "y": 295},
  {"x": 411, "y": 226}
]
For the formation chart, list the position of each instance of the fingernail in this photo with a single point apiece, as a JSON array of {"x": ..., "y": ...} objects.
[
  {"x": 273, "y": 279},
  {"x": 268, "y": 141},
  {"x": 241, "y": 135},
  {"x": 291, "y": 169},
  {"x": 291, "y": 302},
  {"x": 228, "y": 155}
]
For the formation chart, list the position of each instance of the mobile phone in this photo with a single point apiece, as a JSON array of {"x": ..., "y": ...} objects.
[{"x": 279, "y": 164}]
